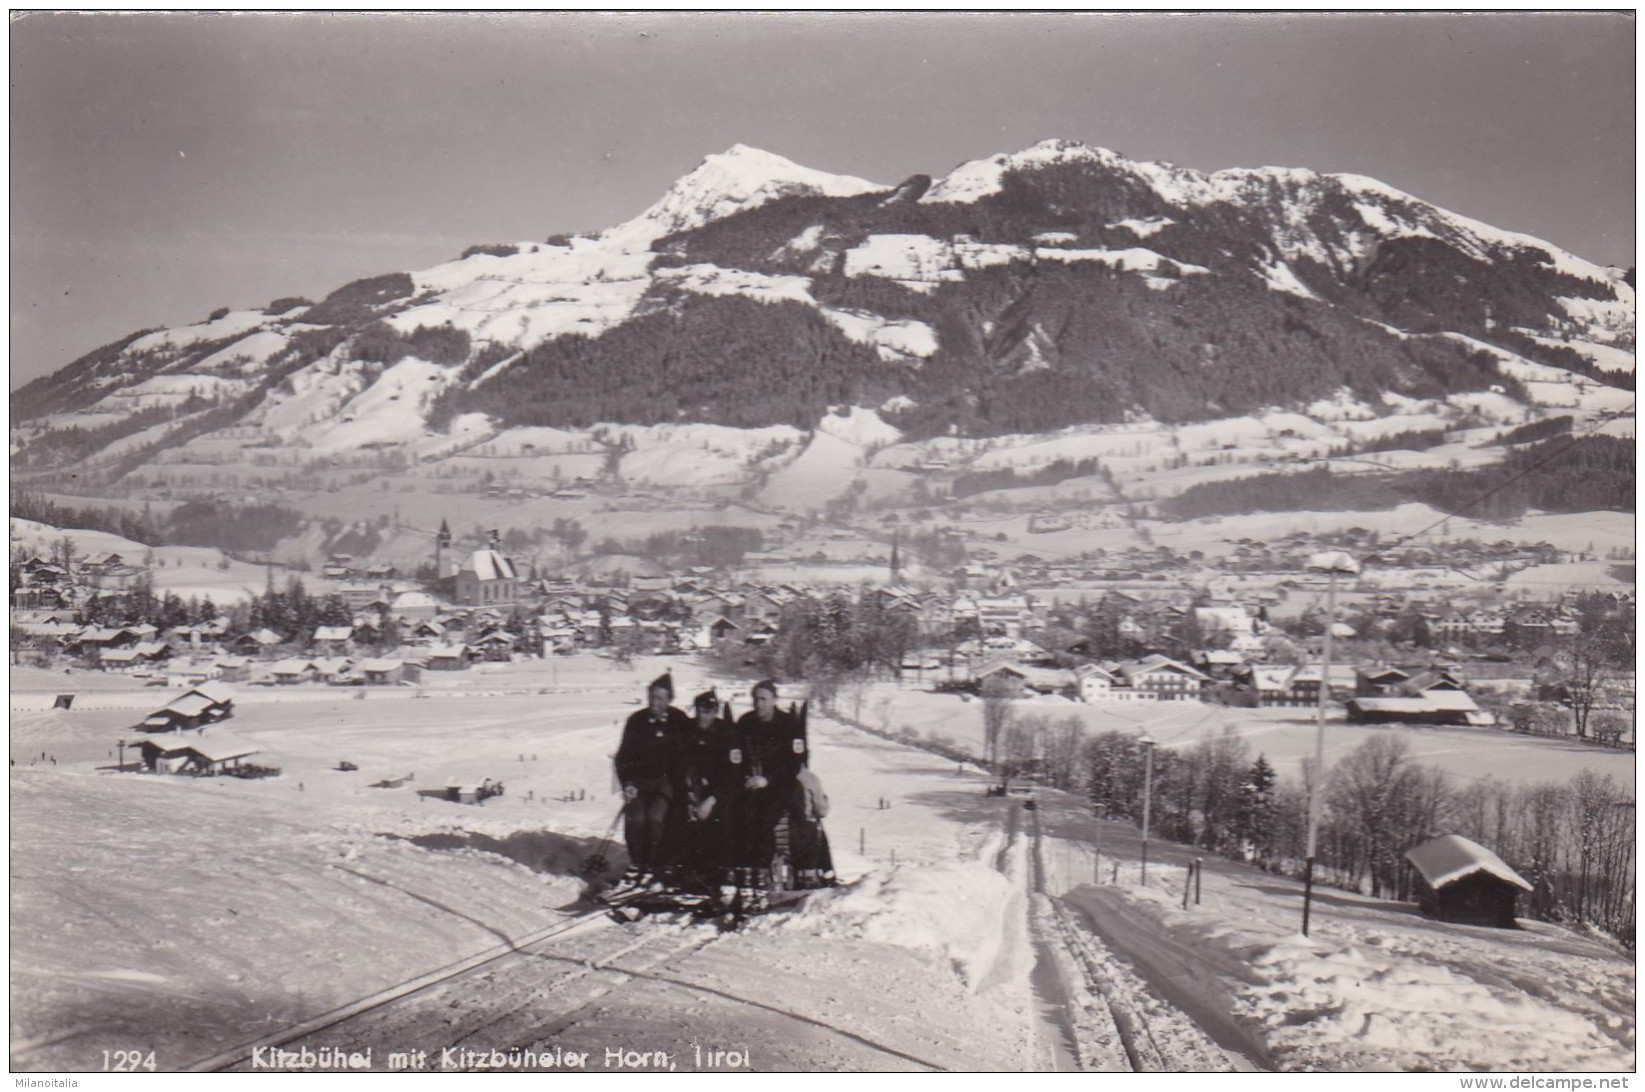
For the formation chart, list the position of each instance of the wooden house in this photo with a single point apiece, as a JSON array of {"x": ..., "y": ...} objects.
[{"x": 1465, "y": 882}]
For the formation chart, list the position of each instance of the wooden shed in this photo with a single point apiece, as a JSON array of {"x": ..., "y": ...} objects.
[{"x": 1465, "y": 882}]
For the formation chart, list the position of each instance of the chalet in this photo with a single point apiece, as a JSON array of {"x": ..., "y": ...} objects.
[
  {"x": 559, "y": 639},
  {"x": 334, "y": 669},
  {"x": 1000, "y": 678},
  {"x": 1465, "y": 882},
  {"x": 1272, "y": 684},
  {"x": 449, "y": 657},
  {"x": 1008, "y": 615},
  {"x": 1218, "y": 663},
  {"x": 359, "y": 596},
  {"x": 487, "y": 577},
  {"x": 1303, "y": 688},
  {"x": 252, "y": 644},
  {"x": 497, "y": 645},
  {"x": 328, "y": 638},
  {"x": 1372, "y": 682},
  {"x": 196, "y": 707},
  {"x": 414, "y": 606},
  {"x": 96, "y": 639},
  {"x": 232, "y": 668},
  {"x": 1224, "y": 620},
  {"x": 428, "y": 630},
  {"x": 1165, "y": 677},
  {"x": 386, "y": 672},
  {"x": 117, "y": 659},
  {"x": 721, "y": 628},
  {"x": 1095, "y": 685},
  {"x": 1010, "y": 680},
  {"x": 762, "y": 608},
  {"x": 202, "y": 755},
  {"x": 291, "y": 672}
]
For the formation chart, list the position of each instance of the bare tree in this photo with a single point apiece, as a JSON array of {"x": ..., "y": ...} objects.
[
  {"x": 1584, "y": 659},
  {"x": 997, "y": 714},
  {"x": 1064, "y": 740}
]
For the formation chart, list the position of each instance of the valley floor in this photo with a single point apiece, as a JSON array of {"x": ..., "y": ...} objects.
[{"x": 199, "y": 918}]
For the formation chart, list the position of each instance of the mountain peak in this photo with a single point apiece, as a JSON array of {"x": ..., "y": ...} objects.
[{"x": 741, "y": 177}]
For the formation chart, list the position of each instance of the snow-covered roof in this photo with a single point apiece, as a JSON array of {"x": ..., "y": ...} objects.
[
  {"x": 219, "y": 693},
  {"x": 333, "y": 633},
  {"x": 189, "y": 705},
  {"x": 489, "y": 565},
  {"x": 1451, "y": 700},
  {"x": 1450, "y": 857}
]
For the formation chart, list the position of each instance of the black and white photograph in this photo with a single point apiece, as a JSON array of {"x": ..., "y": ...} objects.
[{"x": 696, "y": 543}]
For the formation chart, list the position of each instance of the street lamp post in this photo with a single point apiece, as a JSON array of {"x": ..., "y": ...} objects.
[
  {"x": 1147, "y": 796},
  {"x": 1331, "y": 562}
]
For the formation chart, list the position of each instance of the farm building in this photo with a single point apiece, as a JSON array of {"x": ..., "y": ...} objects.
[
  {"x": 197, "y": 755},
  {"x": 1465, "y": 882},
  {"x": 197, "y": 707},
  {"x": 1430, "y": 707}
]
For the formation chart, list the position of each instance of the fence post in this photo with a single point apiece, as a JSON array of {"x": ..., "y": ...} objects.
[
  {"x": 1199, "y": 867},
  {"x": 1187, "y": 884}
]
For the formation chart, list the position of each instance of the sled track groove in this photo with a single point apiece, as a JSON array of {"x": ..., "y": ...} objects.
[
  {"x": 1136, "y": 1013},
  {"x": 1065, "y": 936},
  {"x": 470, "y": 966},
  {"x": 453, "y": 1005}
]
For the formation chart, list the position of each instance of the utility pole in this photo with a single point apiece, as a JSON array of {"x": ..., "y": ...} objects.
[
  {"x": 1096, "y": 843},
  {"x": 1147, "y": 796},
  {"x": 1332, "y": 563}
]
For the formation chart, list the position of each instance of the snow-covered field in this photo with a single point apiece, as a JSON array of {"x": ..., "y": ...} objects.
[
  {"x": 1285, "y": 735},
  {"x": 190, "y": 917}
]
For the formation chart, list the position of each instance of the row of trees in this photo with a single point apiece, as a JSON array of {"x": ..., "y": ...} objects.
[
  {"x": 832, "y": 641},
  {"x": 1557, "y": 475},
  {"x": 1574, "y": 842}
]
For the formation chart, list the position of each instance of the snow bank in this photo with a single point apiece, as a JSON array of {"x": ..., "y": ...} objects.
[
  {"x": 1375, "y": 1008},
  {"x": 954, "y": 910}
]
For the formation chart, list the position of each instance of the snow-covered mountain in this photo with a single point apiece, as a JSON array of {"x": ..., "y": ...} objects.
[{"x": 1059, "y": 287}]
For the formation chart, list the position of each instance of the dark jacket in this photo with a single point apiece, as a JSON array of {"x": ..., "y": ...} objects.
[
  {"x": 707, "y": 763},
  {"x": 775, "y": 748},
  {"x": 648, "y": 749}
]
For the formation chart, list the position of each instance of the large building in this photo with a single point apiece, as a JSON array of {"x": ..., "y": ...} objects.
[{"x": 487, "y": 577}]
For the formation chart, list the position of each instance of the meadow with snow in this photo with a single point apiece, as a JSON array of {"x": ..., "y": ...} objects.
[{"x": 191, "y": 915}]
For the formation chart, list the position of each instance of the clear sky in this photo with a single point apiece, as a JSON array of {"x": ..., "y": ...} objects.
[{"x": 166, "y": 165}]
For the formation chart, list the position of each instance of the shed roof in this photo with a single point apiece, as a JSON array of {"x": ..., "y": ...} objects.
[{"x": 1451, "y": 857}]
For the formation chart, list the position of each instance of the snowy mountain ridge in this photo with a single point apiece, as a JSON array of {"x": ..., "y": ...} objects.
[{"x": 1062, "y": 286}]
